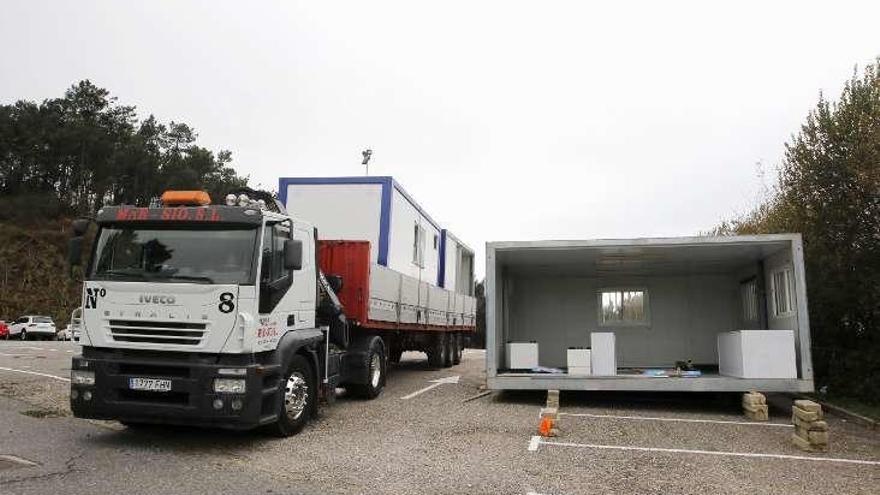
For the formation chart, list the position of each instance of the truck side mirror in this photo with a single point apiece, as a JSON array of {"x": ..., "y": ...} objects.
[
  {"x": 335, "y": 283},
  {"x": 293, "y": 253}
]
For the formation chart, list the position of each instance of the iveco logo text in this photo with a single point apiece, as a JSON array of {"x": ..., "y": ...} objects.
[{"x": 148, "y": 299}]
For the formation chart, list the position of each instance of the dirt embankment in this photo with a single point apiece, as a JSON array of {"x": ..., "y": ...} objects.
[{"x": 34, "y": 276}]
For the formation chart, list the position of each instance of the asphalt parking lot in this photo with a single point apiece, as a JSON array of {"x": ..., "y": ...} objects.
[{"x": 422, "y": 437}]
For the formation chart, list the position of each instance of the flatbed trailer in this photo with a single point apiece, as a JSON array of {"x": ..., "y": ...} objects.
[{"x": 407, "y": 313}]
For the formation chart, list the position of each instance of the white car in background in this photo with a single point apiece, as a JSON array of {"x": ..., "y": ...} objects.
[
  {"x": 71, "y": 331},
  {"x": 33, "y": 327},
  {"x": 75, "y": 325}
]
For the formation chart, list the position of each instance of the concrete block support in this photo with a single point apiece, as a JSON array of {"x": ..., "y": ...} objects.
[
  {"x": 810, "y": 432},
  {"x": 755, "y": 406}
]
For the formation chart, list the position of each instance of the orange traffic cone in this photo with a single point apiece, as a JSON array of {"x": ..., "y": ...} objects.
[{"x": 546, "y": 427}]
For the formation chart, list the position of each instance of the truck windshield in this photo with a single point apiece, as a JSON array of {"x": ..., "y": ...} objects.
[{"x": 208, "y": 256}]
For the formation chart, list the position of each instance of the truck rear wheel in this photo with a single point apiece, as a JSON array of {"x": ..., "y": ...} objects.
[
  {"x": 450, "y": 349},
  {"x": 296, "y": 398},
  {"x": 456, "y": 355},
  {"x": 437, "y": 351},
  {"x": 375, "y": 368}
]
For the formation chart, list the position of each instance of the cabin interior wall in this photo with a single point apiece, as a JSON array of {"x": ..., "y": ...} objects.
[{"x": 686, "y": 312}]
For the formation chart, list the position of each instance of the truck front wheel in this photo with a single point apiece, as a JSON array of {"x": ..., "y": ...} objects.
[{"x": 296, "y": 399}]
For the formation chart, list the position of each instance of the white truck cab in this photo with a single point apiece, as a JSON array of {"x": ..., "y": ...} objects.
[{"x": 204, "y": 314}]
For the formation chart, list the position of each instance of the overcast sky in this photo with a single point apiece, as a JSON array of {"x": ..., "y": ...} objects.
[{"x": 505, "y": 120}]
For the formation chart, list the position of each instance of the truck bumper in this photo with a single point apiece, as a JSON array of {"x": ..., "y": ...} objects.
[{"x": 191, "y": 400}]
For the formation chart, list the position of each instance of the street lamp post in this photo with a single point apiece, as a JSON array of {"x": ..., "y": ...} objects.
[{"x": 367, "y": 154}]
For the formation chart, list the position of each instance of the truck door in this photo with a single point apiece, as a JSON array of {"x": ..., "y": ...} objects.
[
  {"x": 276, "y": 304},
  {"x": 303, "y": 293}
]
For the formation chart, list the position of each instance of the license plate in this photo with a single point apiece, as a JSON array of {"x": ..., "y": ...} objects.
[{"x": 150, "y": 384}]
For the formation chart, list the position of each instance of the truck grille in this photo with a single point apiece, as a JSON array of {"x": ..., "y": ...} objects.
[{"x": 158, "y": 332}]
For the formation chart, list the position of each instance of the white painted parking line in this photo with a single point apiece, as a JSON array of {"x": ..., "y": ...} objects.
[
  {"x": 434, "y": 384},
  {"x": 536, "y": 441},
  {"x": 676, "y": 420},
  {"x": 35, "y": 373},
  {"x": 21, "y": 461}
]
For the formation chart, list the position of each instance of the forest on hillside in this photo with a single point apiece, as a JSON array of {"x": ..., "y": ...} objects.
[
  {"x": 72, "y": 154},
  {"x": 67, "y": 156}
]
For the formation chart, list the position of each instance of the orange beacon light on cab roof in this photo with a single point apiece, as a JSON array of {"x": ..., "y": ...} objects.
[{"x": 186, "y": 198}]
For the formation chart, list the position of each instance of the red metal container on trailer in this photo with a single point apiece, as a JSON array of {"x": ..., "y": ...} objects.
[{"x": 351, "y": 261}]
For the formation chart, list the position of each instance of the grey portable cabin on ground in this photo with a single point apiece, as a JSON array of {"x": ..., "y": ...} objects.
[{"x": 666, "y": 301}]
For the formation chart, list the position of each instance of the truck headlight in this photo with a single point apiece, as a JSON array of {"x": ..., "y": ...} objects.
[
  {"x": 80, "y": 377},
  {"x": 229, "y": 386}
]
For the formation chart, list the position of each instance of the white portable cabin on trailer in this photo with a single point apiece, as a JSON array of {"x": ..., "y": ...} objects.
[
  {"x": 735, "y": 307},
  {"x": 432, "y": 269}
]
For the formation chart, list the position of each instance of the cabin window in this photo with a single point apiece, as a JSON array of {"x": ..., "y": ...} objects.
[
  {"x": 783, "y": 292},
  {"x": 749, "y": 295},
  {"x": 266, "y": 272},
  {"x": 418, "y": 245},
  {"x": 275, "y": 279},
  {"x": 274, "y": 238},
  {"x": 623, "y": 307}
]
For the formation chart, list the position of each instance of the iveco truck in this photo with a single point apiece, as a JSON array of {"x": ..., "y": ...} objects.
[{"x": 221, "y": 315}]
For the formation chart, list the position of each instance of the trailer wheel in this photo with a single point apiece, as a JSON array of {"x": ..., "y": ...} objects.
[
  {"x": 456, "y": 355},
  {"x": 437, "y": 350},
  {"x": 296, "y": 398},
  {"x": 450, "y": 350},
  {"x": 375, "y": 367}
]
